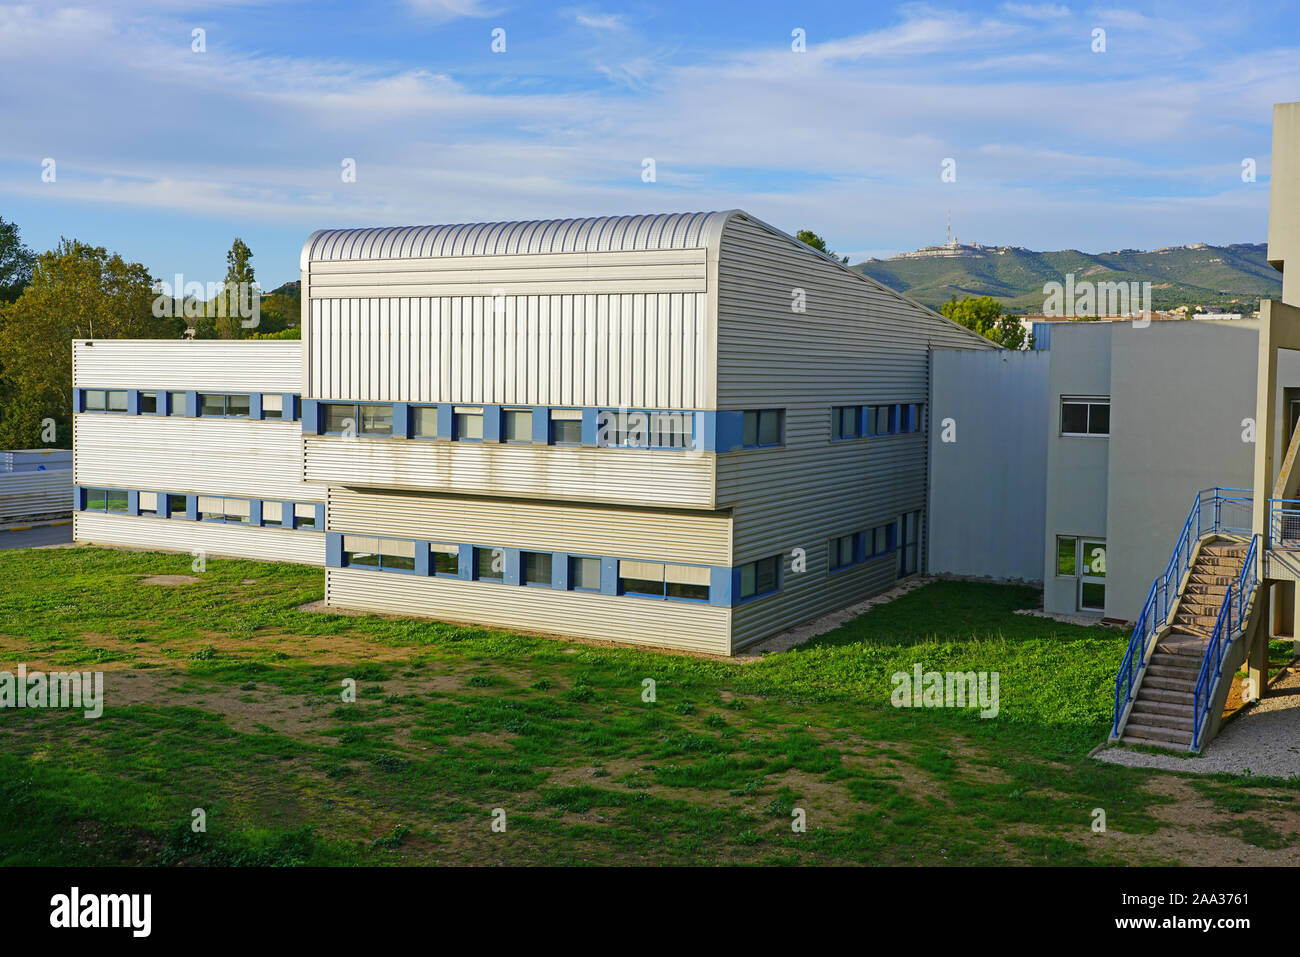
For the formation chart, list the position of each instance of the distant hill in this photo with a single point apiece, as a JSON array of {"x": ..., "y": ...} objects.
[{"x": 1229, "y": 277}]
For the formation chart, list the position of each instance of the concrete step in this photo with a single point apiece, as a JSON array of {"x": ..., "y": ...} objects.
[
  {"x": 1200, "y": 577},
  {"x": 1185, "y": 673},
  {"x": 1166, "y": 683},
  {"x": 1183, "y": 644},
  {"x": 1165, "y": 696},
  {"x": 1235, "y": 550},
  {"x": 1143, "y": 706},
  {"x": 1155, "y": 719},
  {"x": 1136, "y": 732},
  {"x": 1199, "y": 606}
]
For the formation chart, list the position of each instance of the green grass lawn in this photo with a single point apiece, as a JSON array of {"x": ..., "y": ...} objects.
[{"x": 222, "y": 696}]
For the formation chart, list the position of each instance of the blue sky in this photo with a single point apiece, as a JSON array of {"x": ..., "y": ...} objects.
[{"x": 166, "y": 154}]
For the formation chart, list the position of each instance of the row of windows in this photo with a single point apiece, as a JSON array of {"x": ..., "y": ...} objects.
[
  {"x": 207, "y": 508},
  {"x": 858, "y": 421},
  {"x": 654, "y": 430},
  {"x": 536, "y": 569},
  {"x": 856, "y": 547},
  {"x": 174, "y": 403}
]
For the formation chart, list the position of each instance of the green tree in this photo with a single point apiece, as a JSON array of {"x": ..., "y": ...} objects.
[
  {"x": 77, "y": 291},
  {"x": 15, "y": 262},
  {"x": 983, "y": 314},
  {"x": 226, "y": 322},
  {"x": 809, "y": 238}
]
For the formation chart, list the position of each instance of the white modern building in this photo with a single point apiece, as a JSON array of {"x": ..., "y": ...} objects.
[{"x": 687, "y": 430}]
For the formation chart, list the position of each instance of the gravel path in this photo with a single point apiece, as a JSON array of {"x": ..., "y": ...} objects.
[{"x": 1264, "y": 741}]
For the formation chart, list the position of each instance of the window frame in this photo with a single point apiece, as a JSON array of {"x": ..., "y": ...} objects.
[
  {"x": 759, "y": 417},
  {"x": 1089, "y": 403},
  {"x": 777, "y": 576}
]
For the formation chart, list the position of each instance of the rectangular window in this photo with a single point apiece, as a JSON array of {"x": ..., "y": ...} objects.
[
  {"x": 117, "y": 400},
  {"x": 566, "y": 426},
  {"x": 148, "y": 503},
  {"x": 96, "y": 400},
  {"x": 490, "y": 564},
  {"x": 1085, "y": 416},
  {"x": 425, "y": 422},
  {"x": 446, "y": 560},
  {"x": 388, "y": 554},
  {"x": 661, "y": 580},
  {"x": 213, "y": 508},
  {"x": 845, "y": 421},
  {"x": 1066, "y": 547},
  {"x": 469, "y": 425},
  {"x": 238, "y": 405},
  {"x": 880, "y": 540},
  {"x": 760, "y": 578},
  {"x": 909, "y": 544},
  {"x": 376, "y": 420},
  {"x": 916, "y": 417},
  {"x": 882, "y": 420},
  {"x": 584, "y": 573},
  {"x": 536, "y": 568},
  {"x": 843, "y": 551},
  {"x": 175, "y": 403},
  {"x": 273, "y": 513},
  {"x": 272, "y": 405},
  {"x": 761, "y": 429},
  {"x": 212, "y": 404},
  {"x": 517, "y": 425},
  {"x": 96, "y": 499},
  {"x": 177, "y": 506},
  {"x": 340, "y": 419},
  {"x": 148, "y": 403},
  {"x": 304, "y": 516}
]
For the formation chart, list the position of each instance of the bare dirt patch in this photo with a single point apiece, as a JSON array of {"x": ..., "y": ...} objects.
[{"x": 170, "y": 580}]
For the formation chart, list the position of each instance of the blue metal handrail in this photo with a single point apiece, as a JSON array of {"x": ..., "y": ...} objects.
[
  {"x": 1230, "y": 622},
  {"x": 1212, "y": 512},
  {"x": 1283, "y": 523}
]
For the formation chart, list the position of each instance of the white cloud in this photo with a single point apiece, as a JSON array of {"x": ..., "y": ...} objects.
[{"x": 600, "y": 21}]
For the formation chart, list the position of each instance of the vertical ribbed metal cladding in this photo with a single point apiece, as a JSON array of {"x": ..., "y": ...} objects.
[
  {"x": 856, "y": 343},
  {"x": 596, "y": 234}
]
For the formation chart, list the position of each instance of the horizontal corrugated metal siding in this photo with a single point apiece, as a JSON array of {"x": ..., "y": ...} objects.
[
  {"x": 220, "y": 366},
  {"x": 664, "y": 624},
  {"x": 642, "y": 350},
  {"x": 629, "y": 476},
  {"x": 649, "y": 535},
  {"x": 668, "y": 270},
  {"x": 856, "y": 343},
  {"x": 212, "y": 538},
  {"x": 213, "y": 456},
  {"x": 31, "y": 494},
  {"x": 595, "y": 234}
]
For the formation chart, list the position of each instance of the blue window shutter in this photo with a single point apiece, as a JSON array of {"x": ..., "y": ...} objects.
[
  {"x": 255, "y": 512},
  {"x": 133, "y": 402},
  {"x": 78, "y": 402},
  {"x": 590, "y": 426},
  {"x": 465, "y": 565},
  {"x": 541, "y": 425},
  {"x": 255, "y": 405},
  {"x": 730, "y": 430},
  {"x": 401, "y": 420},
  {"x": 491, "y": 423},
  {"x": 334, "y": 549},
  {"x": 191, "y": 404},
  {"x": 132, "y": 502},
  {"x": 192, "y": 504},
  {"x": 511, "y": 573},
  {"x": 609, "y": 576},
  {"x": 289, "y": 406},
  {"x": 78, "y": 498},
  {"x": 320, "y": 517},
  {"x": 722, "y": 581},
  {"x": 422, "y": 564},
  {"x": 310, "y": 417},
  {"x": 560, "y": 571}
]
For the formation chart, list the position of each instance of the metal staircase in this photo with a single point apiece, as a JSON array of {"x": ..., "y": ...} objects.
[{"x": 1171, "y": 679}]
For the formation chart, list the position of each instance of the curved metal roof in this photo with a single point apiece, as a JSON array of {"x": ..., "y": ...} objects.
[{"x": 596, "y": 234}]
